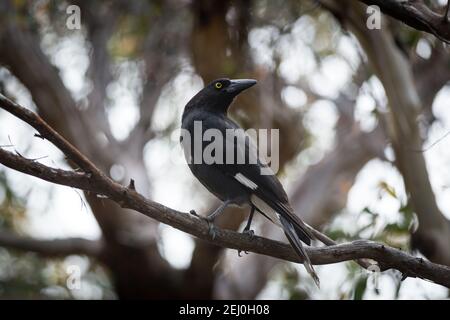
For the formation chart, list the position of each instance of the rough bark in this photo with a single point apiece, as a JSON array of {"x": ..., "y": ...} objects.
[
  {"x": 128, "y": 237},
  {"x": 127, "y": 197},
  {"x": 417, "y": 15}
]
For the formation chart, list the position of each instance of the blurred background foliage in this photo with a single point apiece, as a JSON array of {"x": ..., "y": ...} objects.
[
  {"x": 25, "y": 275},
  {"x": 116, "y": 89}
]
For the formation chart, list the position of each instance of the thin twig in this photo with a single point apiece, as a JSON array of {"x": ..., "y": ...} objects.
[
  {"x": 431, "y": 145},
  {"x": 53, "y": 247},
  {"x": 49, "y": 133},
  {"x": 98, "y": 183}
]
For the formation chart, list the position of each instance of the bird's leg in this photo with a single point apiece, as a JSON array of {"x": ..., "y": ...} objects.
[
  {"x": 210, "y": 218},
  {"x": 218, "y": 211},
  {"x": 247, "y": 227},
  {"x": 249, "y": 222}
]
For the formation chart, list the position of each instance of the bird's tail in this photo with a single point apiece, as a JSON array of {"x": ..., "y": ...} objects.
[{"x": 293, "y": 237}]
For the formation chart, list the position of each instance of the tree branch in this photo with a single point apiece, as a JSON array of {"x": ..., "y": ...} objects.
[
  {"x": 137, "y": 267},
  {"x": 417, "y": 15},
  {"x": 33, "y": 168},
  {"x": 100, "y": 19},
  {"x": 394, "y": 71},
  {"x": 160, "y": 52},
  {"x": 387, "y": 257},
  {"x": 52, "y": 248},
  {"x": 50, "y": 134}
]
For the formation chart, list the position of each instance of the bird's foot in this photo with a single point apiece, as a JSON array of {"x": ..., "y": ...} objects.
[
  {"x": 212, "y": 230},
  {"x": 239, "y": 253},
  {"x": 209, "y": 221},
  {"x": 211, "y": 226},
  {"x": 249, "y": 233}
]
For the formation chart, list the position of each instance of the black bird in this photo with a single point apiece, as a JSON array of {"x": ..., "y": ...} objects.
[{"x": 238, "y": 183}]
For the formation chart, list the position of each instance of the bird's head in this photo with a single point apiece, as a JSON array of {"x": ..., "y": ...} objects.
[{"x": 218, "y": 95}]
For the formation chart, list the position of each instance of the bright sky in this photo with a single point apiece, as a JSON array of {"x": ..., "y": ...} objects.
[{"x": 56, "y": 211}]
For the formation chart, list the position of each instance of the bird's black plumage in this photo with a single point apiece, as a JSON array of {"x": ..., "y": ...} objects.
[{"x": 234, "y": 182}]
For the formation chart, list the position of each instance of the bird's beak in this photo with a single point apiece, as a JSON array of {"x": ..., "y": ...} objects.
[{"x": 239, "y": 85}]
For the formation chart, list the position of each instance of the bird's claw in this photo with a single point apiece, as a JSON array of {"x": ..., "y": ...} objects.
[
  {"x": 249, "y": 233},
  {"x": 239, "y": 253},
  {"x": 211, "y": 227},
  {"x": 212, "y": 231},
  {"x": 209, "y": 221}
]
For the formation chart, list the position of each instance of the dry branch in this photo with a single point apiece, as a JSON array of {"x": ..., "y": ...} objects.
[
  {"x": 417, "y": 15},
  {"x": 53, "y": 247},
  {"x": 95, "y": 181}
]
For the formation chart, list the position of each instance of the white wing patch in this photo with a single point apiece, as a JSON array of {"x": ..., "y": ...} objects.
[
  {"x": 262, "y": 206},
  {"x": 245, "y": 181}
]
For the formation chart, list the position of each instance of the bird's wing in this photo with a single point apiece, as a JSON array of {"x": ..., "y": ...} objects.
[{"x": 268, "y": 194}]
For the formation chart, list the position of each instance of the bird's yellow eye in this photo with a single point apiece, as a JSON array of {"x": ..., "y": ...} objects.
[{"x": 218, "y": 85}]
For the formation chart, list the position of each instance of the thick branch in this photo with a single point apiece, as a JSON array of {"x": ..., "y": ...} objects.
[
  {"x": 394, "y": 71},
  {"x": 48, "y": 133},
  {"x": 51, "y": 248},
  {"x": 417, "y": 15},
  {"x": 129, "y": 198}
]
